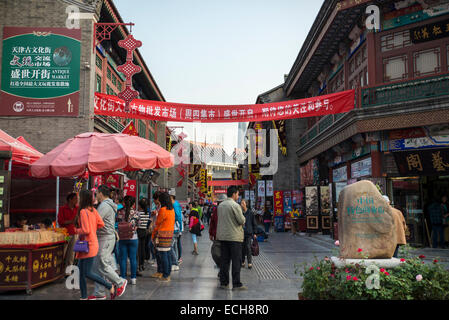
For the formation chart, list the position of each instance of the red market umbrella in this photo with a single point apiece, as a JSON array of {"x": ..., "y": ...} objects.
[
  {"x": 101, "y": 153},
  {"x": 22, "y": 154}
]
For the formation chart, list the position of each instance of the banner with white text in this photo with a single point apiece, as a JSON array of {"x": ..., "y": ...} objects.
[{"x": 341, "y": 102}]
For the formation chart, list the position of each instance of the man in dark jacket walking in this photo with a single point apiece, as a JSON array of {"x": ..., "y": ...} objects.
[{"x": 248, "y": 229}]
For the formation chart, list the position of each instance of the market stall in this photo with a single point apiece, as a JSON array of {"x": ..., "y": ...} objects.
[{"x": 30, "y": 258}]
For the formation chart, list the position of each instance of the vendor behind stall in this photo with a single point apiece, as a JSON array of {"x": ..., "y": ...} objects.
[
  {"x": 20, "y": 222},
  {"x": 67, "y": 217}
]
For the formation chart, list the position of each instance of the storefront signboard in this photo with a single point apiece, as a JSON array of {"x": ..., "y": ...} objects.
[{"x": 423, "y": 162}]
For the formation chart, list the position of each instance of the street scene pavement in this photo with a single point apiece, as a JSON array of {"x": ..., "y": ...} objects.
[{"x": 271, "y": 278}]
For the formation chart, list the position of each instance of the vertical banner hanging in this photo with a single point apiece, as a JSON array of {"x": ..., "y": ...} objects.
[
  {"x": 278, "y": 203},
  {"x": 269, "y": 188},
  {"x": 261, "y": 188}
]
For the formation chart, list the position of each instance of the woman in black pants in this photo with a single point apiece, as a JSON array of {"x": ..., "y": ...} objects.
[
  {"x": 249, "y": 231},
  {"x": 142, "y": 233}
]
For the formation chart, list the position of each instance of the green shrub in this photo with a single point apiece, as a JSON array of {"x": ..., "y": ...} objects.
[{"x": 324, "y": 281}]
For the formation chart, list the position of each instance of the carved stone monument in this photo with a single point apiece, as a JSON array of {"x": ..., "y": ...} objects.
[{"x": 365, "y": 221}]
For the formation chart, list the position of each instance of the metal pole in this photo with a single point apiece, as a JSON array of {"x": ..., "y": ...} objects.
[
  {"x": 10, "y": 165},
  {"x": 57, "y": 200}
]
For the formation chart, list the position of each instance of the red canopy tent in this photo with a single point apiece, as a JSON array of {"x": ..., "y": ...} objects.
[{"x": 22, "y": 153}]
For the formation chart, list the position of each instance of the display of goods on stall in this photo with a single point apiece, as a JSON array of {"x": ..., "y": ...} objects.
[{"x": 13, "y": 238}]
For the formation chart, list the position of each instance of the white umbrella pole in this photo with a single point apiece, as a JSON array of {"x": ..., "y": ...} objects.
[{"x": 57, "y": 200}]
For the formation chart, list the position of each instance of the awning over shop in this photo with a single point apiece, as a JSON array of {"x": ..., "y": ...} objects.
[
  {"x": 21, "y": 153},
  {"x": 221, "y": 183}
]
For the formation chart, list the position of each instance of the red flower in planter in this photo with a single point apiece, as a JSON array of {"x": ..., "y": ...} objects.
[
  {"x": 318, "y": 268},
  {"x": 387, "y": 274},
  {"x": 346, "y": 270},
  {"x": 382, "y": 270},
  {"x": 355, "y": 279},
  {"x": 333, "y": 275},
  {"x": 402, "y": 260},
  {"x": 348, "y": 278},
  {"x": 311, "y": 268},
  {"x": 435, "y": 261},
  {"x": 422, "y": 256},
  {"x": 359, "y": 250}
]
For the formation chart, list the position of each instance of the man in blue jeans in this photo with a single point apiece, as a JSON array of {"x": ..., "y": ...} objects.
[{"x": 175, "y": 250}]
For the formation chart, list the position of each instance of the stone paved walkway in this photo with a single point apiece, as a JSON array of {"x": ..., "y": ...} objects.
[{"x": 272, "y": 277}]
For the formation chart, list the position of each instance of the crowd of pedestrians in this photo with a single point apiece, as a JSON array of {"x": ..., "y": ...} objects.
[{"x": 117, "y": 234}]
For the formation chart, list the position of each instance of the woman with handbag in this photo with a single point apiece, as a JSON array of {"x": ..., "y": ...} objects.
[
  {"x": 129, "y": 242},
  {"x": 163, "y": 236},
  {"x": 87, "y": 247}
]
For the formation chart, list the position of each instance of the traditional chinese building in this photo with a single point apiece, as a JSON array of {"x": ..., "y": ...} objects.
[
  {"x": 397, "y": 135},
  {"x": 50, "y": 71}
]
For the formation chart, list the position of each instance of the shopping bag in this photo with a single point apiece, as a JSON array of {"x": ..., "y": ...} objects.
[{"x": 255, "y": 248}]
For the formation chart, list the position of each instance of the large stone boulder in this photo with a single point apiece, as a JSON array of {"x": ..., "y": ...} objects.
[{"x": 365, "y": 221}]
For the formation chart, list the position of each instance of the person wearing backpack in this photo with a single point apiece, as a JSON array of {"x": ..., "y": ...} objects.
[
  {"x": 106, "y": 243},
  {"x": 87, "y": 225},
  {"x": 129, "y": 242}
]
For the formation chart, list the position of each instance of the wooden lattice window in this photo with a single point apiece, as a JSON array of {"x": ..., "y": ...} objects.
[
  {"x": 395, "y": 68},
  {"x": 98, "y": 83},
  {"x": 427, "y": 62},
  {"x": 99, "y": 62},
  {"x": 109, "y": 74},
  {"x": 395, "y": 40}
]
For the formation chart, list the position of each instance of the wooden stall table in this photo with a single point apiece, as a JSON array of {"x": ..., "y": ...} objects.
[{"x": 30, "y": 259}]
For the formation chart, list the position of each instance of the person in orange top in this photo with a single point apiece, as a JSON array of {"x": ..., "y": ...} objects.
[
  {"x": 163, "y": 236},
  {"x": 89, "y": 222}
]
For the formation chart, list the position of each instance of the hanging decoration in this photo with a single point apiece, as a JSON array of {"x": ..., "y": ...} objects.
[{"x": 129, "y": 69}]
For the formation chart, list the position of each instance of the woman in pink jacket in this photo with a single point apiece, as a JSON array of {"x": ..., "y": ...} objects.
[{"x": 89, "y": 222}]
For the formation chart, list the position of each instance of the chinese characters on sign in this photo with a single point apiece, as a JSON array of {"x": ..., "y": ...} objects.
[
  {"x": 430, "y": 32},
  {"x": 423, "y": 162},
  {"x": 40, "y": 71},
  {"x": 340, "y": 102},
  {"x": 278, "y": 203}
]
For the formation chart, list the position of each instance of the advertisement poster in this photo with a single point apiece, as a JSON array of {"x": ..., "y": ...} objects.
[
  {"x": 269, "y": 188},
  {"x": 252, "y": 195},
  {"x": 340, "y": 174},
  {"x": 143, "y": 191},
  {"x": 247, "y": 194},
  {"x": 113, "y": 180},
  {"x": 261, "y": 188},
  {"x": 311, "y": 200},
  {"x": 296, "y": 203},
  {"x": 287, "y": 201},
  {"x": 338, "y": 187},
  {"x": 278, "y": 203},
  {"x": 130, "y": 188},
  {"x": 361, "y": 168},
  {"x": 325, "y": 200},
  {"x": 40, "y": 71}
]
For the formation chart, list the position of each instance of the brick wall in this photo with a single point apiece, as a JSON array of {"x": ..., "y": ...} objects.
[{"x": 45, "y": 133}]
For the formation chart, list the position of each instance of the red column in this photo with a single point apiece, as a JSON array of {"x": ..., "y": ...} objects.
[{"x": 372, "y": 58}]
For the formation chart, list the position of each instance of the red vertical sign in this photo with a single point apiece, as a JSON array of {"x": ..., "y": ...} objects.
[
  {"x": 130, "y": 188},
  {"x": 278, "y": 203}
]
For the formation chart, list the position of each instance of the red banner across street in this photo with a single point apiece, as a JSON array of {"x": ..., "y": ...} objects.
[{"x": 340, "y": 102}]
